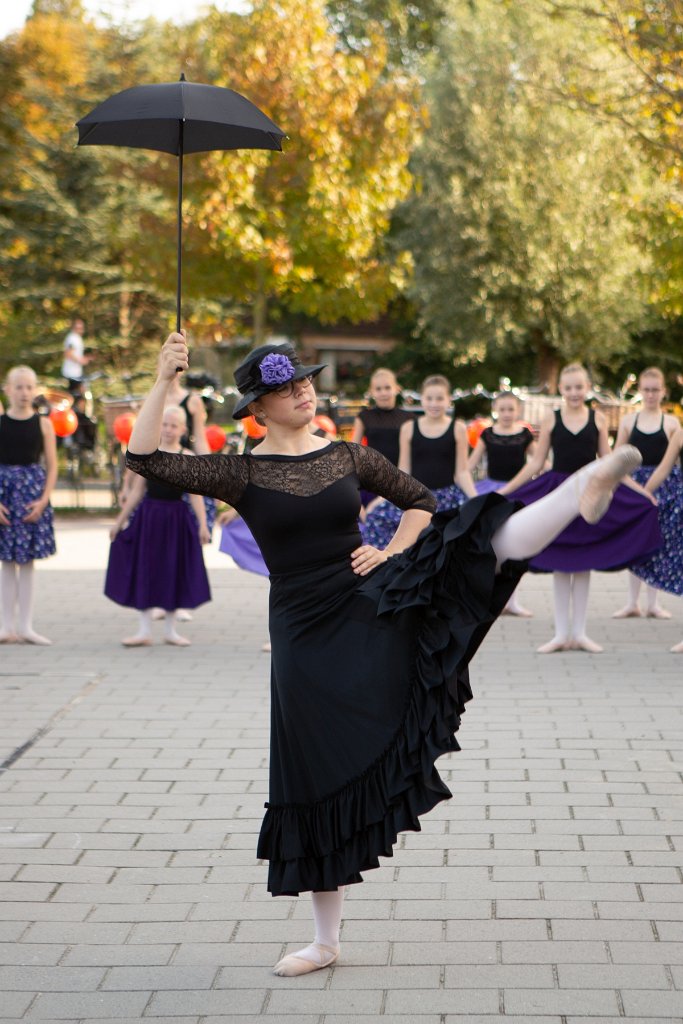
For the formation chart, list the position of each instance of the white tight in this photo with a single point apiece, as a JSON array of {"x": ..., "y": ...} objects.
[
  {"x": 570, "y": 590},
  {"x": 16, "y": 590},
  {"x": 327, "y": 915}
]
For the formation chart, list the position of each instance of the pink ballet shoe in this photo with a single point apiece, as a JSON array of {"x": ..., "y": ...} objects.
[
  {"x": 584, "y": 643},
  {"x": 137, "y": 641},
  {"x": 604, "y": 480},
  {"x": 658, "y": 613},
  {"x": 518, "y": 610},
  {"x": 677, "y": 648},
  {"x": 629, "y": 611},
  {"x": 177, "y": 640},
  {"x": 266, "y": 648},
  {"x": 31, "y": 637},
  {"x": 553, "y": 646},
  {"x": 293, "y": 965},
  {"x": 8, "y": 638}
]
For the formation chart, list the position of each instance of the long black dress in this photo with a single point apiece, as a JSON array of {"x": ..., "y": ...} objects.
[{"x": 369, "y": 674}]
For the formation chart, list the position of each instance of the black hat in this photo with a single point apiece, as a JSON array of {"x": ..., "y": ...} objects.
[{"x": 266, "y": 369}]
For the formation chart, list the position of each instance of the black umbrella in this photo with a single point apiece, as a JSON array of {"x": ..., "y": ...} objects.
[{"x": 179, "y": 117}]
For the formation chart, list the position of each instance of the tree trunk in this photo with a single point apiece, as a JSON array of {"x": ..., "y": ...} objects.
[{"x": 548, "y": 363}]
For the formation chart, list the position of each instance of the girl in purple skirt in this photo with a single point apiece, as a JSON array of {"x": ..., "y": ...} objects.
[
  {"x": 629, "y": 532},
  {"x": 433, "y": 449},
  {"x": 650, "y": 431},
  {"x": 156, "y": 560},
  {"x": 665, "y": 570},
  {"x": 506, "y": 445},
  {"x": 28, "y": 473}
]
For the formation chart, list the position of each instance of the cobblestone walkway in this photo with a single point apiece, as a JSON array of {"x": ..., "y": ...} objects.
[{"x": 548, "y": 890}]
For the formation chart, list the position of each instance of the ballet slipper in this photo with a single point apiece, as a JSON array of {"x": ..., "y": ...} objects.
[
  {"x": 604, "y": 480},
  {"x": 31, "y": 637},
  {"x": 267, "y": 647},
  {"x": 556, "y": 644},
  {"x": 658, "y": 613},
  {"x": 629, "y": 611},
  {"x": 518, "y": 610},
  {"x": 183, "y": 615},
  {"x": 677, "y": 648},
  {"x": 8, "y": 638},
  {"x": 137, "y": 641},
  {"x": 293, "y": 965},
  {"x": 176, "y": 640},
  {"x": 584, "y": 643}
]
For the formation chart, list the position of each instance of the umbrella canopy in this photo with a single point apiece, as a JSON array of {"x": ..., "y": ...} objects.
[{"x": 179, "y": 117}]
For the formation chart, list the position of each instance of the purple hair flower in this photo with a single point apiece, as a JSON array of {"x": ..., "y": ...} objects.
[{"x": 276, "y": 369}]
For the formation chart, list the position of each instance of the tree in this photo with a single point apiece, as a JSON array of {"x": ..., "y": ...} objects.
[
  {"x": 520, "y": 226},
  {"x": 305, "y": 228}
]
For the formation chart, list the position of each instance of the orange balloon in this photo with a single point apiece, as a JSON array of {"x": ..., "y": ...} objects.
[
  {"x": 123, "y": 427},
  {"x": 215, "y": 437},
  {"x": 64, "y": 421},
  {"x": 252, "y": 428},
  {"x": 325, "y": 423},
  {"x": 475, "y": 429}
]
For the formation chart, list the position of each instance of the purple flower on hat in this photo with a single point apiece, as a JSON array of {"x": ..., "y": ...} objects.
[{"x": 276, "y": 369}]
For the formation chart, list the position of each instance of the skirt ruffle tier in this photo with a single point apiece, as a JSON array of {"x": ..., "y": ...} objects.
[
  {"x": 370, "y": 680},
  {"x": 627, "y": 534},
  {"x": 157, "y": 561},
  {"x": 665, "y": 569},
  {"x": 22, "y": 542}
]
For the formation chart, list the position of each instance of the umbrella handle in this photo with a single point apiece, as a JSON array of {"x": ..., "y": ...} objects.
[{"x": 180, "y": 234}]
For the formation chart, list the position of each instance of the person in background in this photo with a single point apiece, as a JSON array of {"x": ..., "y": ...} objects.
[{"x": 75, "y": 358}]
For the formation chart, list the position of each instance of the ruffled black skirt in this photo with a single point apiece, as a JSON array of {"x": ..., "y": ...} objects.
[{"x": 369, "y": 681}]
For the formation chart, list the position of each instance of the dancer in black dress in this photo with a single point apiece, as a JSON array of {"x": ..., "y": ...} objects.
[
  {"x": 370, "y": 648},
  {"x": 381, "y": 423}
]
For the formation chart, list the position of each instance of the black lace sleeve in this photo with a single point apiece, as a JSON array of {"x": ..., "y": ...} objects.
[
  {"x": 217, "y": 476},
  {"x": 380, "y": 476}
]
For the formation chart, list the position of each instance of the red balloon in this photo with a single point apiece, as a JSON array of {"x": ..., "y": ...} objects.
[
  {"x": 325, "y": 423},
  {"x": 475, "y": 429},
  {"x": 215, "y": 437},
  {"x": 123, "y": 427},
  {"x": 252, "y": 428},
  {"x": 64, "y": 421}
]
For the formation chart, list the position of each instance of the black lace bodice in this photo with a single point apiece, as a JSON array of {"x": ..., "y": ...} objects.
[{"x": 302, "y": 509}]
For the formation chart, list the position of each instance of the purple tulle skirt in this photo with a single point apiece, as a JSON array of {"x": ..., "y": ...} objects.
[
  {"x": 157, "y": 562},
  {"x": 627, "y": 534},
  {"x": 238, "y": 541}
]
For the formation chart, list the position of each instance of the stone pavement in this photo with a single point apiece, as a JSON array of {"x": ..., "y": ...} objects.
[{"x": 548, "y": 890}]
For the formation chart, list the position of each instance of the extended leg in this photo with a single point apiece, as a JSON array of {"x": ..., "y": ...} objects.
[
  {"x": 587, "y": 493},
  {"x": 324, "y": 950},
  {"x": 26, "y": 632}
]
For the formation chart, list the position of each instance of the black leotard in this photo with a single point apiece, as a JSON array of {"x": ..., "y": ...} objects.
[
  {"x": 505, "y": 453},
  {"x": 572, "y": 451},
  {"x": 381, "y": 429},
  {"x": 267, "y": 491},
  {"x": 21, "y": 441},
  {"x": 432, "y": 459},
  {"x": 651, "y": 446}
]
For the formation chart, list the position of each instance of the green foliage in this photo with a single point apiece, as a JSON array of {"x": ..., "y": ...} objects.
[{"x": 520, "y": 225}]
